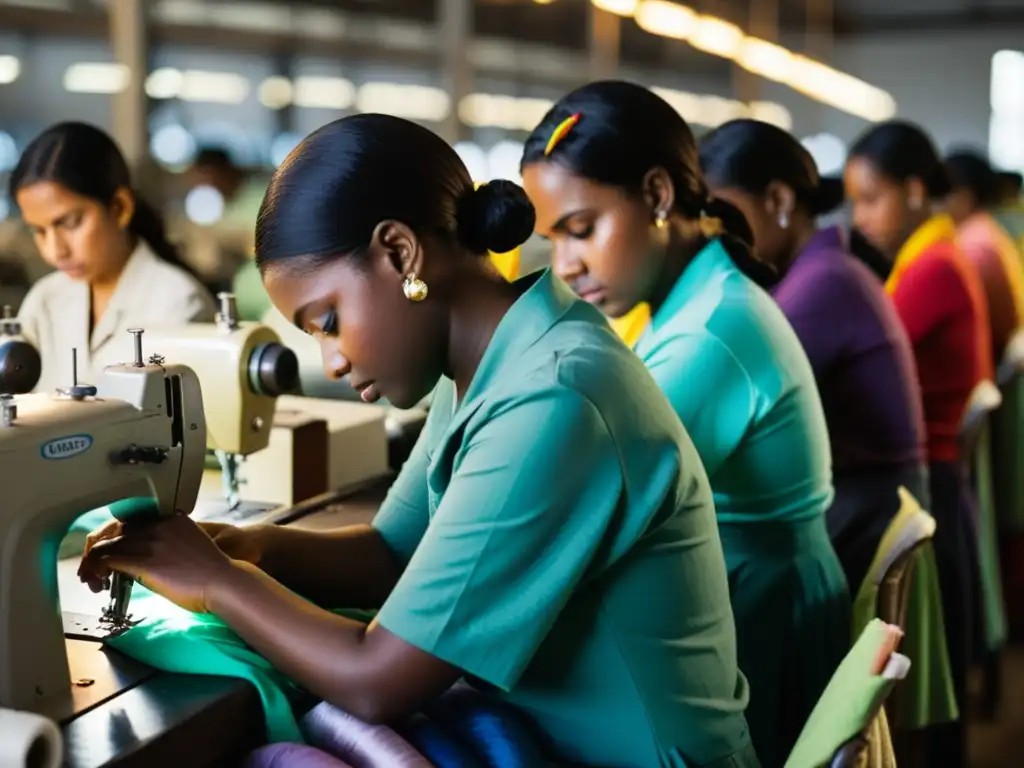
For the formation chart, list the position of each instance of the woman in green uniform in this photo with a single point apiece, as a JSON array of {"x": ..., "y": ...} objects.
[
  {"x": 614, "y": 176},
  {"x": 552, "y": 537}
]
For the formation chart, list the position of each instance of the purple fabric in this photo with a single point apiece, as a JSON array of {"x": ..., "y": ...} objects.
[
  {"x": 362, "y": 745},
  {"x": 861, "y": 355},
  {"x": 292, "y": 756}
]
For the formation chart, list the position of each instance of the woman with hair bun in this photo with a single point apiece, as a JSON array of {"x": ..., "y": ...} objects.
[
  {"x": 551, "y": 539},
  {"x": 614, "y": 174},
  {"x": 114, "y": 267},
  {"x": 893, "y": 177},
  {"x": 861, "y": 355}
]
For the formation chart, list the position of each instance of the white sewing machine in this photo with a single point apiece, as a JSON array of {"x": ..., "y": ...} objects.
[
  {"x": 243, "y": 368},
  {"x": 140, "y": 432}
]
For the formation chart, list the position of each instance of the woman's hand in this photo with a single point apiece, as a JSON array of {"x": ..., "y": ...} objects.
[
  {"x": 237, "y": 543},
  {"x": 172, "y": 556}
]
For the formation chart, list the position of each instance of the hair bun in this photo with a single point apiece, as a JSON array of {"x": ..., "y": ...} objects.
[
  {"x": 829, "y": 195},
  {"x": 496, "y": 216}
]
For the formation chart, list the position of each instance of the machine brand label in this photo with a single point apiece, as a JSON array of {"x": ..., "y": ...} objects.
[{"x": 66, "y": 447}]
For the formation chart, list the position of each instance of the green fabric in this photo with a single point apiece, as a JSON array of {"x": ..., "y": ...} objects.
[
  {"x": 251, "y": 297},
  {"x": 1008, "y": 451},
  {"x": 792, "y": 616},
  {"x": 925, "y": 697},
  {"x": 560, "y": 544},
  {"x": 850, "y": 702},
  {"x": 172, "y": 639},
  {"x": 739, "y": 379},
  {"x": 988, "y": 547}
]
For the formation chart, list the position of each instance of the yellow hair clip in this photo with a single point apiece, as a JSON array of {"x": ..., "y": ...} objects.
[
  {"x": 710, "y": 226},
  {"x": 560, "y": 132}
]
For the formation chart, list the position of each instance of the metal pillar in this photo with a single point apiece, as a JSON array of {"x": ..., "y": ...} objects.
[
  {"x": 764, "y": 24},
  {"x": 818, "y": 45},
  {"x": 605, "y": 32},
  {"x": 129, "y": 108},
  {"x": 455, "y": 31}
]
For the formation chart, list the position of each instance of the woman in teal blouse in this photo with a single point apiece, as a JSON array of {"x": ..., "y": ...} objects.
[
  {"x": 614, "y": 176},
  {"x": 552, "y": 537}
]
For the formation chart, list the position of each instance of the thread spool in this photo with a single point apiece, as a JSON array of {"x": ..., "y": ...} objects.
[
  {"x": 28, "y": 740},
  {"x": 359, "y": 743},
  {"x": 292, "y": 756},
  {"x": 496, "y": 731},
  {"x": 441, "y": 748}
]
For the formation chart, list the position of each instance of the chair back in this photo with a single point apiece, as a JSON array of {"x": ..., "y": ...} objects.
[
  {"x": 1013, "y": 358},
  {"x": 984, "y": 399},
  {"x": 886, "y": 588}
]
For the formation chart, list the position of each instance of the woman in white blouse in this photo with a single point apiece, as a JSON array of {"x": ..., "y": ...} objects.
[{"x": 114, "y": 267}]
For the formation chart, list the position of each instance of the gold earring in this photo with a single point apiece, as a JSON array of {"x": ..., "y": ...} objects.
[
  {"x": 660, "y": 219},
  {"x": 414, "y": 288}
]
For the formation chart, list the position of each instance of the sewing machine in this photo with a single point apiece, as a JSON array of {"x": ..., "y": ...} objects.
[
  {"x": 20, "y": 364},
  {"x": 137, "y": 433},
  {"x": 243, "y": 368},
  {"x": 402, "y": 426}
]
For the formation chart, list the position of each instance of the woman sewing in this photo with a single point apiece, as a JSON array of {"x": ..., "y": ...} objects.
[
  {"x": 614, "y": 175},
  {"x": 861, "y": 356},
  {"x": 552, "y": 536},
  {"x": 893, "y": 177},
  {"x": 114, "y": 268}
]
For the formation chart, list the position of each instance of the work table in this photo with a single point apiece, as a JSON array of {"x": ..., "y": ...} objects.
[{"x": 132, "y": 715}]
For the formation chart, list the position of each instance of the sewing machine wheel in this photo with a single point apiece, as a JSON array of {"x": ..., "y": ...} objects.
[{"x": 20, "y": 367}]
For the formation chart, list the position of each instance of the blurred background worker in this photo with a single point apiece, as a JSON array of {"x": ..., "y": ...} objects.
[{"x": 193, "y": 105}]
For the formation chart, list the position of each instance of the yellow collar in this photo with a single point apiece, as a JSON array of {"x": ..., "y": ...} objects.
[{"x": 939, "y": 228}]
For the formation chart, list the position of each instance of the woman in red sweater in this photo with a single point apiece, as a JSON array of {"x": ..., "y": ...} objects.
[{"x": 891, "y": 177}]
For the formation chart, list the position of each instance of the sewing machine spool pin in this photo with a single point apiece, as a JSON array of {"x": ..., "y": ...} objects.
[{"x": 76, "y": 391}]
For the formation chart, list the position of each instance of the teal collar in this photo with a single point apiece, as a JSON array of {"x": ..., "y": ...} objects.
[
  {"x": 711, "y": 260},
  {"x": 542, "y": 301}
]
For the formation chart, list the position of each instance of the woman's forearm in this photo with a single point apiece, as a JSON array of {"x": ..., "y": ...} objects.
[
  {"x": 364, "y": 670},
  {"x": 350, "y": 567}
]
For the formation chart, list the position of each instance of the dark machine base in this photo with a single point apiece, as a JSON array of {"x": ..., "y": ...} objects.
[{"x": 124, "y": 714}]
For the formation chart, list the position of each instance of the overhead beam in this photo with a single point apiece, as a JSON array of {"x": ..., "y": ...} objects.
[{"x": 969, "y": 19}]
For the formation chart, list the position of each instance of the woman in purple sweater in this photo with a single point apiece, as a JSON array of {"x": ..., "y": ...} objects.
[{"x": 861, "y": 355}]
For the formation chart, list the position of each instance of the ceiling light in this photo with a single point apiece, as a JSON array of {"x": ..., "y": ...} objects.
[{"x": 660, "y": 17}]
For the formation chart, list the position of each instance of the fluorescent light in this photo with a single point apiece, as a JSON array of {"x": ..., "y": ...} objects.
[
  {"x": 10, "y": 68},
  {"x": 840, "y": 90},
  {"x": 99, "y": 77},
  {"x": 197, "y": 85},
  {"x": 660, "y": 17},
  {"x": 275, "y": 92},
  {"x": 770, "y": 112},
  {"x": 718, "y": 37},
  {"x": 509, "y": 112},
  {"x": 619, "y": 7},
  {"x": 773, "y": 62},
  {"x": 163, "y": 83},
  {"x": 765, "y": 59},
  {"x": 318, "y": 92},
  {"x": 414, "y": 102},
  {"x": 213, "y": 87}
]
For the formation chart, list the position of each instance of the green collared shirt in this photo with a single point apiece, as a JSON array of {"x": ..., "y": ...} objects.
[
  {"x": 560, "y": 545},
  {"x": 737, "y": 376}
]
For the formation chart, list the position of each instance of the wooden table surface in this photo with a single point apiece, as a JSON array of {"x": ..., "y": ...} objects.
[{"x": 126, "y": 714}]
